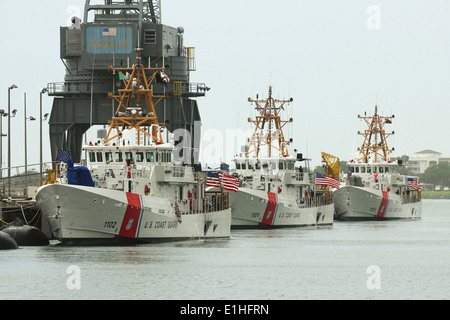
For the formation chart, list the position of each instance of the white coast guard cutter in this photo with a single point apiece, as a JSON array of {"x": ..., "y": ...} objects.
[
  {"x": 374, "y": 188},
  {"x": 273, "y": 191},
  {"x": 133, "y": 194}
]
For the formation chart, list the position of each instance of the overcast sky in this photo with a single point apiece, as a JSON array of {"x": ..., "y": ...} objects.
[{"x": 337, "y": 59}]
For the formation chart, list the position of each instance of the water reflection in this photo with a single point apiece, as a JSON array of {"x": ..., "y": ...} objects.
[{"x": 300, "y": 263}]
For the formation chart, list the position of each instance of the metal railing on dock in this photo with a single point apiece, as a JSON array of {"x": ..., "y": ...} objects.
[
  {"x": 17, "y": 203},
  {"x": 24, "y": 180}
]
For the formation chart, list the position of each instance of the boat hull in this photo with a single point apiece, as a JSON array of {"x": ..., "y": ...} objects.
[
  {"x": 93, "y": 216},
  {"x": 267, "y": 210},
  {"x": 358, "y": 203}
]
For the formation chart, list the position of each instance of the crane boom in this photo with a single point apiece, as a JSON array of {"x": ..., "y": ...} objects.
[{"x": 332, "y": 167}]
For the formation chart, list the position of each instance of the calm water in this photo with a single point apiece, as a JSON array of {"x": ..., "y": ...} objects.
[{"x": 413, "y": 258}]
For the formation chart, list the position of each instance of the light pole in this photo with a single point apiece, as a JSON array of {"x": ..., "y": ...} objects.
[
  {"x": 45, "y": 118},
  {"x": 2, "y": 114},
  {"x": 9, "y": 136},
  {"x": 26, "y": 151}
]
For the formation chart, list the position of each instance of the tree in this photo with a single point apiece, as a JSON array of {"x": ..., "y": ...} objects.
[{"x": 438, "y": 174}]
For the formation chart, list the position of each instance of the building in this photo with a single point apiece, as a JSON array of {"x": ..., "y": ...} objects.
[{"x": 422, "y": 160}]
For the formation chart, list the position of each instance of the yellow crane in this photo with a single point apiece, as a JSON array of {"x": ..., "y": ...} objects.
[{"x": 332, "y": 165}]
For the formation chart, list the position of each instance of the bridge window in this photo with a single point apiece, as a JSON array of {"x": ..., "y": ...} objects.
[
  {"x": 108, "y": 156},
  {"x": 139, "y": 157},
  {"x": 119, "y": 157},
  {"x": 99, "y": 157},
  {"x": 92, "y": 156},
  {"x": 150, "y": 157}
]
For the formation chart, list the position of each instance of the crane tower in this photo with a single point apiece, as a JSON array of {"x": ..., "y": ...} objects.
[{"x": 109, "y": 36}]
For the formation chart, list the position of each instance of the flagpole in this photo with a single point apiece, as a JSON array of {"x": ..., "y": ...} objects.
[
  {"x": 56, "y": 165},
  {"x": 221, "y": 190}
]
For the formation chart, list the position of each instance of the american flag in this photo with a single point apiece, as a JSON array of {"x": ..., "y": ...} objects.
[
  {"x": 323, "y": 180},
  {"x": 229, "y": 183},
  {"x": 222, "y": 180},
  {"x": 213, "y": 179},
  {"x": 112, "y": 32},
  {"x": 63, "y": 155},
  {"x": 414, "y": 184}
]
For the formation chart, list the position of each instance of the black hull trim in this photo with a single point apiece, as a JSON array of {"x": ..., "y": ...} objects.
[
  {"x": 374, "y": 219},
  {"x": 85, "y": 242},
  {"x": 268, "y": 227}
]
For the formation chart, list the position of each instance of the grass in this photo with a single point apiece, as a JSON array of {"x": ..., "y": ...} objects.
[{"x": 436, "y": 193}]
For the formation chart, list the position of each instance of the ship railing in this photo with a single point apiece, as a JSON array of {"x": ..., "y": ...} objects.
[
  {"x": 411, "y": 196},
  {"x": 136, "y": 172},
  {"x": 178, "y": 172},
  {"x": 216, "y": 201},
  {"x": 317, "y": 199},
  {"x": 298, "y": 178}
]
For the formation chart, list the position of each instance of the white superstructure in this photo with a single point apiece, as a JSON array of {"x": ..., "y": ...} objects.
[{"x": 139, "y": 195}]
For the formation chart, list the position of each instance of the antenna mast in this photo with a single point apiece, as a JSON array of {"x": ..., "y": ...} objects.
[
  {"x": 375, "y": 138},
  {"x": 136, "y": 103},
  {"x": 269, "y": 127}
]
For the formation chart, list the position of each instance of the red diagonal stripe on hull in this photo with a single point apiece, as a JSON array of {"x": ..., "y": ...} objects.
[
  {"x": 130, "y": 221},
  {"x": 383, "y": 206},
  {"x": 269, "y": 214}
]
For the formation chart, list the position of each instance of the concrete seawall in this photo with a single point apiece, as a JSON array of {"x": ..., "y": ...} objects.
[{"x": 436, "y": 196}]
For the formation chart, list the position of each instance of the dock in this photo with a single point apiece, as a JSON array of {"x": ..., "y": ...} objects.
[{"x": 18, "y": 205}]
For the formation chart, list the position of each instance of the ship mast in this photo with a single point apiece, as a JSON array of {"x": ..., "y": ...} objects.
[
  {"x": 375, "y": 138},
  {"x": 137, "y": 103},
  {"x": 269, "y": 128}
]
